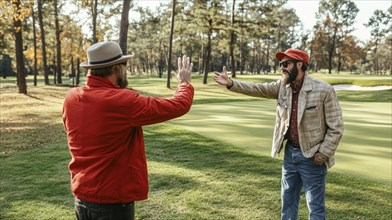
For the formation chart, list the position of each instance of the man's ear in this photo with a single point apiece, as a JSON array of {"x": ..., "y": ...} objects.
[
  {"x": 299, "y": 65},
  {"x": 117, "y": 70}
]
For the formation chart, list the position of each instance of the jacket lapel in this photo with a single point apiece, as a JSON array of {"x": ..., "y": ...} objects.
[{"x": 306, "y": 87}]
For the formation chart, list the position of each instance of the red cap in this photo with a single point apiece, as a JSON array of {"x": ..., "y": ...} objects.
[{"x": 293, "y": 54}]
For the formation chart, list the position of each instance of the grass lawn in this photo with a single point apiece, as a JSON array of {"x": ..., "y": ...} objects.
[
  {"x": 364, "y": 148},
  {"x": 192, "y": 176}
]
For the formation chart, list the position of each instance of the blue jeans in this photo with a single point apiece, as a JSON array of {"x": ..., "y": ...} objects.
[
  {"x": 297, "y": 172},
  {"x": 93, "y": 211}
]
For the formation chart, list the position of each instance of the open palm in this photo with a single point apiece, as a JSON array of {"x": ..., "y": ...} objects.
[
  {"x": 222, "y": 78},
  {"x": 184, "y": 69}
]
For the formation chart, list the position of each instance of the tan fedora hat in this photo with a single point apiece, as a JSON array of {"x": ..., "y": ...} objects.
[{"x": 104, "y": 54}]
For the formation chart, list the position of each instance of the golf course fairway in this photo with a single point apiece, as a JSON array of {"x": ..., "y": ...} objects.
[{"x": 364, "y": 151}]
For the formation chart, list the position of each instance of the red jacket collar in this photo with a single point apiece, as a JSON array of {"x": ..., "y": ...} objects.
[{"x": 96, "y": 81}]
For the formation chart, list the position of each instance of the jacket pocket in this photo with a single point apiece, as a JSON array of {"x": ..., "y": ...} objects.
[{"x": 311, "y": 108}]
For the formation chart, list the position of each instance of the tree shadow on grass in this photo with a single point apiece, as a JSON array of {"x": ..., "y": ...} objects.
[
  {"x": 35, "y": 184},
  {"x": 25, "y": 135},
  {"x": 214, "y": 181},
  {"x": 354, "y": 198}
]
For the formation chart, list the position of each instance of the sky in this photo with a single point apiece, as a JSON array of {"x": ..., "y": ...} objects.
[{"x": 306, "y": 10}]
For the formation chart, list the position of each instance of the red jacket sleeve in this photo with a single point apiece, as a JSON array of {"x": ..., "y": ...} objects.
[{"x": 146, "y": 110}]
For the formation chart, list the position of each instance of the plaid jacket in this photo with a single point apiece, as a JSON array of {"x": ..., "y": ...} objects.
[{"x": 320, "y": 121}]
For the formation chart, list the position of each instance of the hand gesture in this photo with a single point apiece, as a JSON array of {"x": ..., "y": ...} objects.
[
  {"x": 184, "y": 69},
  {"x": 222, "y": 78}
]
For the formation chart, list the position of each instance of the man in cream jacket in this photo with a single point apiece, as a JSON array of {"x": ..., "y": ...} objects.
[{"x": 309, "y": 121}]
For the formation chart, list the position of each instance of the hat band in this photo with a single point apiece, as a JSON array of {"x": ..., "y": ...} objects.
[{"x": 106, "y": 61}]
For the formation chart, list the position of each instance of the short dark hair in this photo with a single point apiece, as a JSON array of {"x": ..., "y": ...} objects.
[
  {"x": 102, "y": 72},
  {"x": 105, "y": 71}
]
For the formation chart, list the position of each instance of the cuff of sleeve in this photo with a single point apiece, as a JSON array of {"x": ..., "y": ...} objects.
[{"x": 232, "y": 84}]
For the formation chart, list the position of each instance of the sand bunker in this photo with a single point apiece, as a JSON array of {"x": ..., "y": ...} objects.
[{"x": 360, "y": 88}]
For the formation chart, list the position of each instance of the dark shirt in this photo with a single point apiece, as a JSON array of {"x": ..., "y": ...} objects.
[{"x": 292, "y": 132}]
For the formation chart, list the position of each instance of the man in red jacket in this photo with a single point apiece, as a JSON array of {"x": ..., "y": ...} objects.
[{"x": 103, "y": 122}]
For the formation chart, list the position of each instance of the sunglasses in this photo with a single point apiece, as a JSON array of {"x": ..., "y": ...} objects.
[{"x": 285, "y": 63}]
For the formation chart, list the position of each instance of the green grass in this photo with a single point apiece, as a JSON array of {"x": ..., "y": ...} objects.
[
  {"x": 192, "y": 176},
  {"x": 364, "y": 148},
  {"x": 365, "y": 96},
  {"x": 358, "y": 81}
]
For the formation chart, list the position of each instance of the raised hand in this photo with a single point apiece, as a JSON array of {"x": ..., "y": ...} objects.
[
  {"x": 184, "y": 69},
  {"x": 222, "y": 78}
]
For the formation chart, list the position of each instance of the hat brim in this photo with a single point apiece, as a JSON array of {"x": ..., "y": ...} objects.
[
  {"x": 280, "y": 55},
  {"x": 122, "y": 59}
]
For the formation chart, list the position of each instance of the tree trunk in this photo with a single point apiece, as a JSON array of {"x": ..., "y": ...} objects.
[
  {"x": 278, "y": 46},
  {"x": 170, "y": 44},
  {"x": 35, "y": 49},
  {"x": 58, "y": 44},
  {"x": 267, "y": 68},
  {"x": 147, "y": 64},
  {"x": 124, "y": 26},
  {"x": 241, "y": 64},
  {"x": 232, "y": 41},
  {"x": 161, "y": 61},
  {"x": 208, "y": 53},
  {"x": 241, "y": 61},
  {"x": 330, "y": 53},
  {"x": 339, "y": 63},
  {"x": 78, "y": 62},
  {"x": 54, "y": 68},
  {"x": 19, "y": 50},
  {"x": 258, "y": 61},
  {"x": 73, "y": 75},
  {"x": 43, "y": 43},
  {"x": 77, "y": 71},
  {"x": 375, "y": 65},
  {"x": 95, "y": 14},
  {"x": 201, "y": 60}
]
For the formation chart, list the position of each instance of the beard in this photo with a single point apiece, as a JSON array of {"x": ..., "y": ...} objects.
[
  {"x": 289, "y": 77},
  {"x": 122, "y": 82}
]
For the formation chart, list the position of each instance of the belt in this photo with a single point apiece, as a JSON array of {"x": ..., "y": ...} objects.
[
  {"x": 295, "y": 145},
  {"x": 98, "y": 205}
]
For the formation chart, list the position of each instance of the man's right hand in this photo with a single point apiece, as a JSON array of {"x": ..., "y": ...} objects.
[
  {"x": 184, "y": 69},
  {"x": 223, "y": 78}
]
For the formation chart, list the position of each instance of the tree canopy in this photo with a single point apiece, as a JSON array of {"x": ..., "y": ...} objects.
[{"x": 242, "y": 35}]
